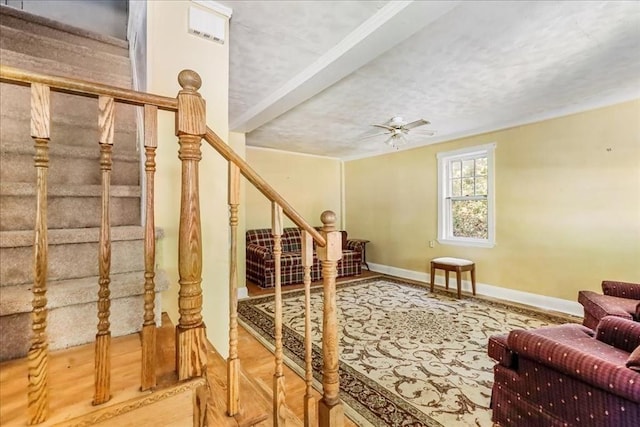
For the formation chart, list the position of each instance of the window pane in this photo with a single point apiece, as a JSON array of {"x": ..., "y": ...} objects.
[
  {"x": 456, "y": 169},
  {"x": 481, "y": 166},
  {"x": 481, "y": 186},
  {"x": 467, "y": 168},
  {"x": 467, "y": 187},
  {"x": 455, "y": 187},
  {"x": 470, "y": 218}
]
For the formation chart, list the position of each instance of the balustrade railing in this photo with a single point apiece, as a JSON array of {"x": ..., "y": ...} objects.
[{"x": 191, "y": 352}]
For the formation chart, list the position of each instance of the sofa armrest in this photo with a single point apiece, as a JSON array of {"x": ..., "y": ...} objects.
[
  {"x": 258, "y": 252},
  {"x": 620, "y": 333},
  {"x": 572, "y": 350},
  {"x": 604, "y": 305},
  {"x": 621, "y": 289},
  {"x": 355, "y": 245}
]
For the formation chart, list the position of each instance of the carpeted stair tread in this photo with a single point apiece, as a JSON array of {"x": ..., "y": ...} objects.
[
  {"x": 10, "y": 239},
  {"x": 29, "y": 189},
  {"x": 15, "y": 18},
  {"x": 72, "y": 254},
  {"x": 17, "y": 40},
  {"x": 68, "y": 164},
  {"x": 60, "y": 293},
  {"x": 51, "y": 67}
]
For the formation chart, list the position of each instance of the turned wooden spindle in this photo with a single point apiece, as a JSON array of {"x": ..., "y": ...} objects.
[
  {"x": 233, "y": 363},
  {"x": 191, "y": 357},
  {"x": 279, "y": 409},
  {"x": 310, "y": 404},
  {"x": 330, "y": 411},
  {"x": 148, "y": 369},
  {"x": 106, "y": 120},
  {"x": 38, "y": 355}
]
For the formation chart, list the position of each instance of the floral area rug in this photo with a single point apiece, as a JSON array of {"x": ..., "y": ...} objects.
[{"x": 408, "y": 357}]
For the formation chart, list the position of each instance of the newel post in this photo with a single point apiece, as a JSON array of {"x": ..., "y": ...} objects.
[
  {"x": 330, "y": 411},
  {"x": 190, "y": 128}
]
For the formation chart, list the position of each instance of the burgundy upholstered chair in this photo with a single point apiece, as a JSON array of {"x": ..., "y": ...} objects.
[
  {"x": 568, "y": 375},
  {"x": 620, "y": 299}
]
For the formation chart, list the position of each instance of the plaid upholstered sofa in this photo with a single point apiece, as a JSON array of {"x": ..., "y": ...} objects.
[
  {"x": 568, "y": 375},
  {"x": 620, "y": 299},
  {"x": 261, "y": 266}
]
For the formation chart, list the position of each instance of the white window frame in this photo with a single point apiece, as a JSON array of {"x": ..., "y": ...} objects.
[{"x": 445, "y": 233}]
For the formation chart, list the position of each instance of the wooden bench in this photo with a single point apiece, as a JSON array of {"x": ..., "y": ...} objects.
[{"x": 454, "y": 264}]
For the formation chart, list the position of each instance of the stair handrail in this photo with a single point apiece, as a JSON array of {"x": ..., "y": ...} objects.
[
  {"x": 269, "y": 192},
  {"x": 94, "y": 90}
]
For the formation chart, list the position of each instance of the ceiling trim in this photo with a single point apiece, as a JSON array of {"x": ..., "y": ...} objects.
[
  {"x": 275, "y": 150},
  {"x": 549, "y": 115},
  {"x": 392, "y": 24}
]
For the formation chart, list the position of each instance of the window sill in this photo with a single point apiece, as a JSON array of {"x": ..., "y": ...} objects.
[{"x": 470, "y": 243}]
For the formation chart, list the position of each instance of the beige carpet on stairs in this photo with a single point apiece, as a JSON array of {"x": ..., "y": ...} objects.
[{"x": 41, "y": 45}]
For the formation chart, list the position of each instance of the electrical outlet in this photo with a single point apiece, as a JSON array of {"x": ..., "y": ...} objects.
[{"x": 432, "y": 243}]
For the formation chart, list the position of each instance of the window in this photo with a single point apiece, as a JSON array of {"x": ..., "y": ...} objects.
[{"x": 466, "y": 197}]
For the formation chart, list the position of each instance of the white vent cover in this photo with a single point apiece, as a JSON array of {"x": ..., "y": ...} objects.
[{"x": 207, "y": 25}]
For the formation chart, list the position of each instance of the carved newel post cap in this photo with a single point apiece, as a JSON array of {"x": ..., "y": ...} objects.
[
  {"x": 189, "y": 80},
  {"x": 328, "y": 218}
]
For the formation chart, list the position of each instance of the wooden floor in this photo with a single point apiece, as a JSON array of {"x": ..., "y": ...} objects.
[{"x": 71, "y": 385}]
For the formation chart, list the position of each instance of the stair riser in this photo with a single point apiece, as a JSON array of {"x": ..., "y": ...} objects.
[
  {"x": 71, "y": 325},
  {"x": 63, "y": 52},
  {"x": 66, "y": 109},
  {"x": 69, "y": 261},
  {"x": 29, "y": 27},
  {"x": 18, "y": 212},
  {"x": 78, "y": 171}
]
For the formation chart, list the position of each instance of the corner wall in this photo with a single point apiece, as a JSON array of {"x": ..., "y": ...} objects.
[
  {"x": 170, "y": 50},
  {"x": 567, "y": 204},
  {"x": 311, "y": 184}
]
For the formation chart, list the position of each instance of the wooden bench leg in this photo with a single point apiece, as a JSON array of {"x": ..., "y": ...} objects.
[
  {"x": 433, "y": 275},
  {"x": 473, "y": 279},
  {"x": 446, "y": 279},
  {"x": 459, "y": 281}
]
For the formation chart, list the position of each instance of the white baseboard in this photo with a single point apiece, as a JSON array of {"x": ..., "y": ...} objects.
[
  {"x": 535, "y": 300},
  {"x": 243, "y": 292}
]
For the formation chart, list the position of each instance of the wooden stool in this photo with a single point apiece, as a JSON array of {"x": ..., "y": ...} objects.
[{"x": 454, "y": 264}]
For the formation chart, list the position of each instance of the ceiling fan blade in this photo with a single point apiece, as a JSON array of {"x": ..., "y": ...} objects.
[
  {"x": 384, "y": 127},
  {"x": 389, "y": 141},
  {"x": 374, "y": 135},
  {"x": 419, "y": 122},
  {"x": 423, "y": 132}
]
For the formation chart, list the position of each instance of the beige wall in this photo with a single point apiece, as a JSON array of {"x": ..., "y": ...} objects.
[
  {"x": 567, "y": 204},
  {"x": 311, "y": 184},
  {"x": 171, "y": 49}
]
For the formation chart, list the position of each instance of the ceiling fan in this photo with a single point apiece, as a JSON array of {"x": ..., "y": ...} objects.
[{"x": 398, "y": 130}]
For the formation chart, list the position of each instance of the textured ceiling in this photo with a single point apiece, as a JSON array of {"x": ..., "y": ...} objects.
[{"x": 479, "y": 66}]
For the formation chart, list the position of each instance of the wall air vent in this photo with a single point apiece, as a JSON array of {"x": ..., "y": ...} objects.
[{"x": 206, "y": 24}]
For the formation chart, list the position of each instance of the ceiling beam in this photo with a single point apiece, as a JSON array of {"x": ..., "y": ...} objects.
[{"x": 392, "y": 24}]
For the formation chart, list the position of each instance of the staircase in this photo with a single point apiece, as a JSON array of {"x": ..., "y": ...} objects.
[
  {"x": 77, "y": 218},
  {"x": 74, "y": 193}
]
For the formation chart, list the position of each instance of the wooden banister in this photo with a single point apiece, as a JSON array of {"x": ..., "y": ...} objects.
[
  {"x": 38, "y": 355},
  {"x": 191, "y": 354},
  {"x": 330, "y": 411},
  {"x": 310, "y": 404},
  {"x": 233, "y": 363},
  {"x": 87, "y": 89},
  {"x": 279, "y": 398},
  {"x": 148, "y": 368},
  {"x": 106, "y": 121},
  {"x": 269, "y": 192}
]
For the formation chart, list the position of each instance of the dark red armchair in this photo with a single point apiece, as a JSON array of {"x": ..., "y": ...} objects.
[
  {"x": 568, "y": 375},
  {"x": 621, "y": 299}
]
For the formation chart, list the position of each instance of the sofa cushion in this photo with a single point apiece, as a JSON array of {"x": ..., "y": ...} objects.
[
  {"x": 633, "y": 362},
  {"x": 499, "y": 351}
]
